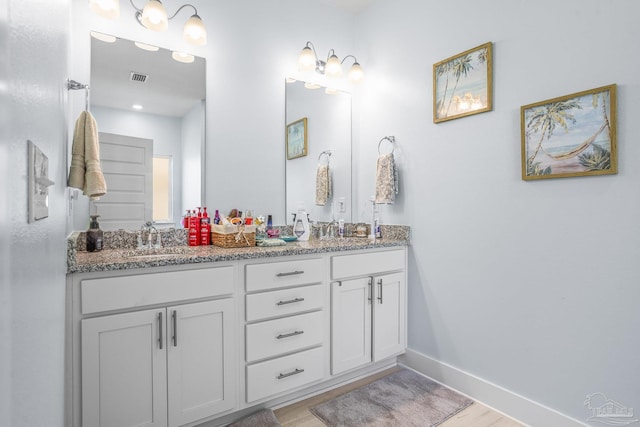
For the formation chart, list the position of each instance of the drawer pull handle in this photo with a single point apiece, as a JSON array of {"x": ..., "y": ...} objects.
[
  {"x": 290, "y": 301},
  {"x": 380, "y": 296},
  {"x": 290, "y": 334},
  {"x": 175, "y": 328},
  {"x": 288, "y": 374},
  {"x": 290, "y": 273}
]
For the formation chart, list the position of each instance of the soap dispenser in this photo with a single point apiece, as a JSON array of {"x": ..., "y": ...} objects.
[
  {"x": 301, "y": 226},
  {"x": 94, "y": 235}
]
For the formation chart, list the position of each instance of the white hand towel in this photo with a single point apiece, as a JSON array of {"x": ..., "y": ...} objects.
[
  {"x": 386, "y": 179},
  {"x": 323, "y": 185},
  {"x": 85, "y": 172}
]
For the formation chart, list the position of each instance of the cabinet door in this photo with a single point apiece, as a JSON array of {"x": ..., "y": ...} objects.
[
  {"x": 124, "y": 370},
  {"x": 201, "y": 360},
  {"x": 350, "y": 324},
  {"x": 388, "y": 316}
]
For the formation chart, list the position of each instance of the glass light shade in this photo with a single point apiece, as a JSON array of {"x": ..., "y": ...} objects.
[
  {"x": 310, "y": 85},
  {"x": 333, "y": 67},
  {"x": 356, "y": 74},
  {"x": 194, "y": 31},
  {"x": 307, "y": 60},
  {"x": 154, "y": 16},
  {"x": 103, "y": 37},
  {"x": 182, "y": 57},
  {"x": 149, "y": 47},
  {"x": 109, "y": 9}
]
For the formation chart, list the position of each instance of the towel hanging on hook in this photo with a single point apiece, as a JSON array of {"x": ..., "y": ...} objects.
[
  {"x": 74, "y": 85},
  {"x": 386, "y": 174}
]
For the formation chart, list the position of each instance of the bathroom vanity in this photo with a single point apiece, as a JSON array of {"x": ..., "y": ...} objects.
[{"x": 205, "y": 335}]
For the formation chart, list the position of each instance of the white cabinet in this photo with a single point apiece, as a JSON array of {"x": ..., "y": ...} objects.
[
  {"x": 287, "y": 326},
  {"x": 165, "y": 366},
  {"x": 368, "y": 313}
]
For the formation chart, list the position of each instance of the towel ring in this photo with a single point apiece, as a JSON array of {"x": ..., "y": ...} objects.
[
  {"x": 325, "y": 153},
  {"x": 391, "y": 139}
]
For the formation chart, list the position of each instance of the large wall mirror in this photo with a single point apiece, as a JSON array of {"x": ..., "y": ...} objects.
[
  {"x": 328, "y": 141},
  {"x": 149, "y": 105}
]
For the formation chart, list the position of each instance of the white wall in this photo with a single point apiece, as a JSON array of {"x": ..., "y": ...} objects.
[
  {"x": 35, "y": 45},
  {"x": 530, "y": 285}
]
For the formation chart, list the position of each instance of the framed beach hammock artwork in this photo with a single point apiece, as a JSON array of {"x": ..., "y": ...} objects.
[
  {"x": 573, "y": 135},
  {"x": 463, "y": 84}
]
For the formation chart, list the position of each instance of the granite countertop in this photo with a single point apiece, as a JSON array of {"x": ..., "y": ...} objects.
[{"x": 122, "y": 258}]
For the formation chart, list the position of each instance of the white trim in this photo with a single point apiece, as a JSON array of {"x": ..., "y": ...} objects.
[{"x": 518, "y": 407}]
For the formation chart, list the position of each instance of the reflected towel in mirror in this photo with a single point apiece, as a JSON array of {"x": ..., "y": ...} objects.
[
  {"x": 386, "y": 179},
  {"x": 323, "y": 185},
  {"x": 85, "y": 172}
]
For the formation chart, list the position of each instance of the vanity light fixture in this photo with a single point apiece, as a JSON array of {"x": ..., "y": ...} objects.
[
  {"x": 332, "y": 67},
  {"x": 154, "y": 17},
  {"x": 149, "y": 47}
]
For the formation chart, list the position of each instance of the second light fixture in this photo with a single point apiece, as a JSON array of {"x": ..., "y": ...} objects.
[{"x": 332, "y": 67}]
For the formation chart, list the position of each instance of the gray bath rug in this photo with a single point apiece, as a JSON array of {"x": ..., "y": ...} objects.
[
  {"x": 263, "y": 418},
  {"x": 403, "y": 398}
]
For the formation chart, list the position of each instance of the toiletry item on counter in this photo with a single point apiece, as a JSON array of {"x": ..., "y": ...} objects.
[
  {"x": 216, "y": 217},
  {"x": 377, "y": 230},
  {"x": 341, "y": 227},
  {"x": 269, "y": 222},
  {"x": 248, "y": 218},
  {"x": 194, "y": 228},
  {"x": 94, "y": 235},
  {"x": 205, "y": 229},
  {"x": 301, "y": 226}
]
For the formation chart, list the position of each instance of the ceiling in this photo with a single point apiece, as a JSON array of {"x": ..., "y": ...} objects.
[
  {"x": 352, "y": 6},
  {"x": 171, "y": 89}
]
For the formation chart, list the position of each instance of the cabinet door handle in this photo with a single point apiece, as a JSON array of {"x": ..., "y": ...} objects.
[
  {"x": 174, "y": 318},
  {"x": 290, "y": 273},
  {"x": 370, "y": 290},
  {"x": 288, "y": 374},
  {"x": 290, "y": 334},
  {"x": 290, "y": 301},
  {"x": 160, "y": 329},
  {"x": 380, "y": 294}
]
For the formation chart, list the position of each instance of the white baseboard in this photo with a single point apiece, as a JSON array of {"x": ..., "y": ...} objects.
[{"x": 498, "y": 398}]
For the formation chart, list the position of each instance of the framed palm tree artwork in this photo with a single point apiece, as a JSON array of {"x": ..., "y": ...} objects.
[
  {"x": 463, "y": 84},
  {"x": 573, "y": 135}
]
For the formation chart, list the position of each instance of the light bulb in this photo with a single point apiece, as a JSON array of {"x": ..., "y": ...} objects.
[
  {"x": 154, "y": 16},
  {"x": 194, "y": 31},
  {"x": 333, "y": 67},
  {"x": 307, "y": 59},
  {"x": 109, "y": 9},
  {"x": 356, "y": 74}
]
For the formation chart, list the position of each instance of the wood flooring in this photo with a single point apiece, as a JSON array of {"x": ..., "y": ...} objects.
[{"x": 476, "y": 415}]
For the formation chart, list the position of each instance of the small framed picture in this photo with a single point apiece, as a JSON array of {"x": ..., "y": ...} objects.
[
  {"x": 572, "y": 135},
  {"x": 463, "y": 84},
  {"x": 297, "y": 139}
]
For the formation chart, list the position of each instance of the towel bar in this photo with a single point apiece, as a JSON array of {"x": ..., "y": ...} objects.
[{"x": 391, "y": 139}]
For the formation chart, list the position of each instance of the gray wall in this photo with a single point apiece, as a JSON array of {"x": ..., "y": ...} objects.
[
  {"x": 35, "y": 39},
  {"x": 532, "y": 286}
]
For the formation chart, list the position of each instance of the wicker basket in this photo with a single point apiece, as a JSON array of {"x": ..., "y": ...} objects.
[{"x": 233, "y": 236}]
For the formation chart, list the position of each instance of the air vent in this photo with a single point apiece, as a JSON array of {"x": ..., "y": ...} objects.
[{"x": 138, "y": 77}]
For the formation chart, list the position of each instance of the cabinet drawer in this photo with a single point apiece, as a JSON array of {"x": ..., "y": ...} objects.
[
  {"x": 114, "y": 293},
  {"x": 366, "y": 264},
  {"x": 284, "y": 302},
  {"x": 282, "y": 274},
  {"x": 274, "y": 337},
  {"x": 284, "y": 373}
]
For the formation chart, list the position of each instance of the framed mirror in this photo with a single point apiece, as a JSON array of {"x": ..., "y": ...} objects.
[
  {"x": 149, "y": 105},
  {"x": 327, "y": 146}
]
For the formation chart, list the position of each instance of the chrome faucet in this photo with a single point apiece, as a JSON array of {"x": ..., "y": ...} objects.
[{"x": 151, "y": 228}]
